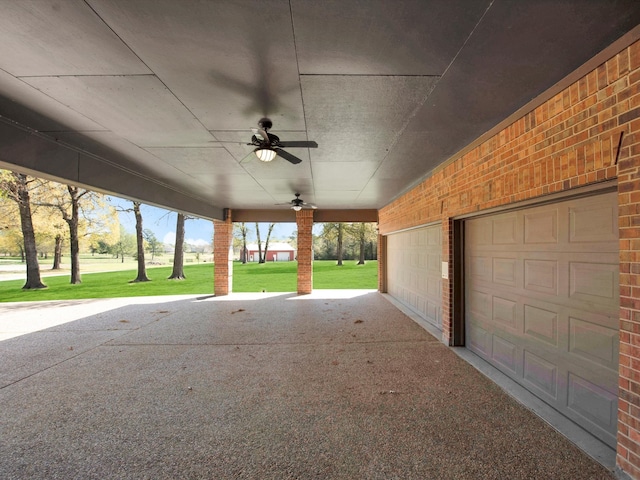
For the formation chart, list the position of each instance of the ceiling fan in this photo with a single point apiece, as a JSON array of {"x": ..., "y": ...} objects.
[
  {"x": 269, "y": 145},
  {"x": 298, "y": 204}
]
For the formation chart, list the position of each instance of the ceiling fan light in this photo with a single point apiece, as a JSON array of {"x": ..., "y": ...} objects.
[
  {"x": 297, "y": 208},
  {"x": 265, "y": 154}
]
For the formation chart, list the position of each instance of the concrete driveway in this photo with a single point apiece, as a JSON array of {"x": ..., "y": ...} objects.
[{"x": 332, "y": 385}]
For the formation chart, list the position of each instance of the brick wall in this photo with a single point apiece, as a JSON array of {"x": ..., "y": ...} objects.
[
  {"x": 570, "y": 141},
  {"x": 222, "y": 243},
  {"x": 304, "y": 219}
]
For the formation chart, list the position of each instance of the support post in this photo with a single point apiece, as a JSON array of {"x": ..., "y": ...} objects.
[
  {"x": 223, "y": 255},
  {"x": 304, "y": 220}
]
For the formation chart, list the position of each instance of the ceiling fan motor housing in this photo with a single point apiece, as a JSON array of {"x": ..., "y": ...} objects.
[{"x": 265, "y": 123}]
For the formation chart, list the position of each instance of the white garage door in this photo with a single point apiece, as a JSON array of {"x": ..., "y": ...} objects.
[
  {"x": 414, "y": 271},
  {"x": 283, "y": 256},
  {"x": 541, "y": 304}
]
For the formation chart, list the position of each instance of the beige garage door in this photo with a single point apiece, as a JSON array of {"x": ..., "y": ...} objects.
[
  {"x": 542, "y": 297},
  {"x": 414, "y": 271}
]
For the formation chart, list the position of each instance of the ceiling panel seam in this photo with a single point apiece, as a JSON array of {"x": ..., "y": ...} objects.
[
  {"x": 304, "y": 112},
  {"x": 90, "y": 75},
  {"x": 435, "y": 85},
  {"x": 147, "y": 66}
]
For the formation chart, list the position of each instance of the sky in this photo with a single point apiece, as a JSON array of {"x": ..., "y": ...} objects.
[{"x": 196, "y": 232}]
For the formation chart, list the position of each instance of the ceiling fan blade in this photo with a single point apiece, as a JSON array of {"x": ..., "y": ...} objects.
[
  {"x": 288, "y": 157},
  {"x": 309, "y": 205},
  {"x": 263, "y": 133},
  {"x": 299, "y": 144}
]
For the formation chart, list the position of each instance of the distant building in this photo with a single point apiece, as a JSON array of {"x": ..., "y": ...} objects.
[{"x": 278, "y": 252}]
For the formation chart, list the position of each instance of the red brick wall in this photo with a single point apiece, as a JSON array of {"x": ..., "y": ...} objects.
[
  {"x": 567, "y": 142},
  {"x": 304, "y": 219},
  {"x": 223, "y": 271}
]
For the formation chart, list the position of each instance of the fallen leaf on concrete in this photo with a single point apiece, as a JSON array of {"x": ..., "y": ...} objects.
[
  {"x": 359, "y": 321},
  {"x": 124, "y": 321},
  {"x": 239, "y": 310}
]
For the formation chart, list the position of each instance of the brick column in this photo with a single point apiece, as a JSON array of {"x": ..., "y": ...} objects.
[
  {"x": 629, "y": 370},
  {"x": 304, "y": 219},
  {"x": 223, "y": 256}
]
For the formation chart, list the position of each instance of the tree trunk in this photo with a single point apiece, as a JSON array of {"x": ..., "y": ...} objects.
[
  {"x": 260, "y": 259},
  {"x": 362, "y": 243},
  {"x": 73, "y": 236},
  {"x": 28, "y": 234},
  {"x": 178, "y": 255},
  {"x": 142, "y": 268},
  {"x": 243, "y": 255},
  {"x": 339, "y": 247},
  {"x": 57, "y": 253},
  {"x": 266, "y": 243}
]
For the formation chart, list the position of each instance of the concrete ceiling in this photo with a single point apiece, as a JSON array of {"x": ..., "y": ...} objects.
[{"x": 155, "y": 99}]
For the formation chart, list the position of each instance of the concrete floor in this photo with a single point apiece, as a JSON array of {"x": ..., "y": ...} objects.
[{"x": 332, "y": 385}]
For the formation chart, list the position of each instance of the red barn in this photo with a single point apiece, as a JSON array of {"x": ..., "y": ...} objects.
[{"x": 278, "y": 252}]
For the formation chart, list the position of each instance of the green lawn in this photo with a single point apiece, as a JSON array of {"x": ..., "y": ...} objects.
[{"x": 252, "y": 277}]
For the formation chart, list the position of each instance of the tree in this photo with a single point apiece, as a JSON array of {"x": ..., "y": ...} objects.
[
  {"x": 57, "y": 253},
  {"x": 142, "y": 268},
  {"x": 266, "y": 243},
  {"x": 262, "y": 256},
  {"x": 334, "y": 232},
  {"x": 339, "y": 250},
  {"x": 83, "y": 212},
  {"x": 16, "y": 187},
  {"x": 260, "y": 260},
  {"x": 152, "y": 242},
  {"x": 241, "y": 230},
  {"x": 125, "y": 245},
  {"x": 178, "y": 254},
  {"x": 361, "y": 233}
]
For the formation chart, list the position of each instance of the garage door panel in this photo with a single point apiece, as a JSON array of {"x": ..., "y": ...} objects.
[
  {"x": 480, "y": 268},
  {"x": 479, "y": 233},
  {"x": 505, "y": 353},
  {"x": 414, "y": 271},
  {"x": 594, "y": 283},
  {"x": 541, "y": 325},
  {"x": 480, "y": 305},
  {"x": 541, "y": 276},
  {"x": 541, "y": 227},
  {"x": 593, "y": 222},
  {"x": 594, "y": 405},
  {"x": 542, "y": 301},
  {"x": 505, "y": 271},
  {"x": 505, "y": 231},
  {"x": 479, "y": 340},
  {"x": 541, "y": 375},
  {"x": 505, "y": 313},
  {"x": 593, "y": 342}
]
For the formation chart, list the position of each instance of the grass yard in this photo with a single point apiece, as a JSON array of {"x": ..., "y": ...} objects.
[
  {"x": 251, "y": 277},
  {"x": 113, "y": 284}
]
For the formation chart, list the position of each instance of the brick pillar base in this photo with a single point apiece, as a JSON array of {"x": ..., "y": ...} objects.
[
  {"x": 223, "y": 256},
  {"x": 304, "y": 219}
]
